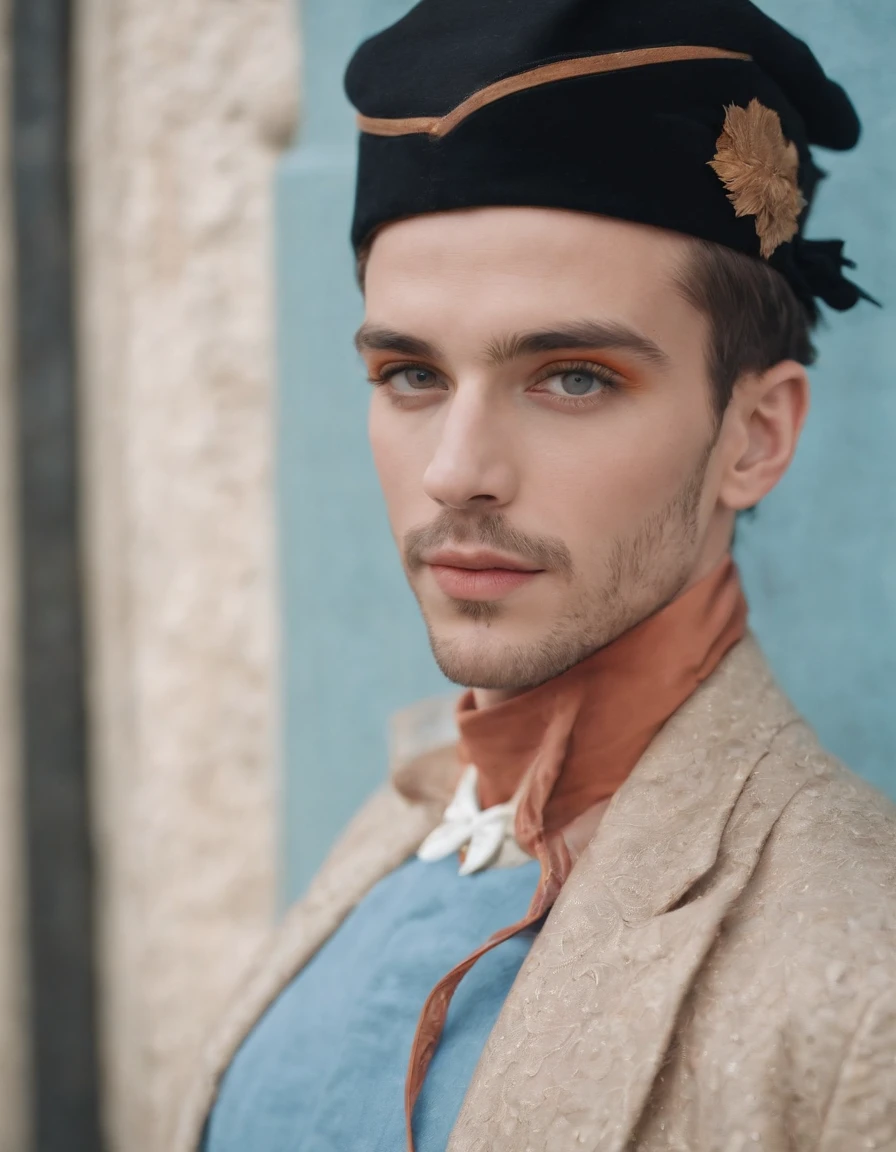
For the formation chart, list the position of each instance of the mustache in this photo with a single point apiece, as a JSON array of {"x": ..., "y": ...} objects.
[{"x": 489, "y": 531}]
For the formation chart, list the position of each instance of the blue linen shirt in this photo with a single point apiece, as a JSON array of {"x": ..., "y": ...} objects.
[{"x": 324, "y": 1068}]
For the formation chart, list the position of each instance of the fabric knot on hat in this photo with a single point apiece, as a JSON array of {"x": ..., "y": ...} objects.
[{"x": 815, "y": 269}]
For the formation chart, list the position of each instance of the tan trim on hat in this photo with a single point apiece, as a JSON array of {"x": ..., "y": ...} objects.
[{"x": 544, "y": 74}]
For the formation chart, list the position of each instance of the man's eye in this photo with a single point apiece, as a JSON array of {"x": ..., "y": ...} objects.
[
  {"x": 576, "y": 382},
  {"x": 412, "y": 379}
]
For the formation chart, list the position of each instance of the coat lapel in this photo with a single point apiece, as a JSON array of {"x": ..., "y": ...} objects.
[{"x": 589, "y": 1019}]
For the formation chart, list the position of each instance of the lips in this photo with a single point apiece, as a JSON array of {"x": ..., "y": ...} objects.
[
  {"x": 479, "y": 583},
  {"x": 478, "y": 561}
]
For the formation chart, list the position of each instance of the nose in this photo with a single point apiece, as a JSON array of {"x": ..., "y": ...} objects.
[{"x": 473, "y": 462}]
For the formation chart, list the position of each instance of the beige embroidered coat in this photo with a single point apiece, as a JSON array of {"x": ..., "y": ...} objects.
[{"x": 717, "y": 975}]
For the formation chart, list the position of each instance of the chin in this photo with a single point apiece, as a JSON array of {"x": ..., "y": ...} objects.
[
  {"x": 484, "y": 658},
  {"x": 469, "y": 671}
]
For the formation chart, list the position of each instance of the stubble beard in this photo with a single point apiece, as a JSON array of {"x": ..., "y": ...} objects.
[{"x": 643, "y": 573}]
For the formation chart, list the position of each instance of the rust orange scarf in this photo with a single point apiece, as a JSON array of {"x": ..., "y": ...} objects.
[{"x": 570, "y": 742}]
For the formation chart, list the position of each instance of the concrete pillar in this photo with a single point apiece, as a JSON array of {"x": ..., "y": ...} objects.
[{"x": 181, "y": 111}]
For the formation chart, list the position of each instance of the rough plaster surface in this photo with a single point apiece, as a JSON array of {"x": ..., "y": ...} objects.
[
  {"x": 181, "y": 111},
  {"x": 13, "y": 1114}
]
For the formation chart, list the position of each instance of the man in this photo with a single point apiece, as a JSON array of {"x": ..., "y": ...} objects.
[{"x": 630, "y": 903}]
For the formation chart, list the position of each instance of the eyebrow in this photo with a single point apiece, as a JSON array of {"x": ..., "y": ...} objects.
[
  {"x": 578, "y": 334},
  {"x": 375, "y": 338}
]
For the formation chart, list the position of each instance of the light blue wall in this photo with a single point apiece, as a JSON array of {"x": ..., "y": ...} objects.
[{"x": 819, "y": 559}]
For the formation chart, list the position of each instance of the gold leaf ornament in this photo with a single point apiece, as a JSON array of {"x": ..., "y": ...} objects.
[{"x": 759, "y": 168}]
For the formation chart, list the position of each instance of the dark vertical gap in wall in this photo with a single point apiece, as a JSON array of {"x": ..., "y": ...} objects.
[{"x": 59, "y": 865}]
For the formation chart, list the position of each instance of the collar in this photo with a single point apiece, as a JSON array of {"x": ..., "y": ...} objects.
[{"x": 595, "y": 720}]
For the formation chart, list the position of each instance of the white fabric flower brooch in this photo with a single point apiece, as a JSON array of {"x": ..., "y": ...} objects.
[{"x": 484, "y": 833}]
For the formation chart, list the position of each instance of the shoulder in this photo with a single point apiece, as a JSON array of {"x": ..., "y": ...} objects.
[
  {"x": 801, "y": 982},
  {"x": 835, "y": 841},
  {"x": 820, "y": 909},
  {"x": 383, "y": 833}
]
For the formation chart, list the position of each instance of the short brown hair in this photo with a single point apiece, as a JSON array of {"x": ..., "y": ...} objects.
[{"x": 755, "y": 317}]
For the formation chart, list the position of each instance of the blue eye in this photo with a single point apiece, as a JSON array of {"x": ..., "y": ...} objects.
[
  {"x": 418, "y": 379},
  {"x": 577, "y": 382}
]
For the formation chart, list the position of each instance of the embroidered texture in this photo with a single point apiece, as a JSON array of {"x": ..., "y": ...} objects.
[{"x": 759, "y": 168}]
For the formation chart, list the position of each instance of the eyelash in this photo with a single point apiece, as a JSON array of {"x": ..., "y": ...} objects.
[{"x": 607, "y": 377}]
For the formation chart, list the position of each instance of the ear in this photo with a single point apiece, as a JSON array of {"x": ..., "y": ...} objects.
[{"x": 763, "y": 425}]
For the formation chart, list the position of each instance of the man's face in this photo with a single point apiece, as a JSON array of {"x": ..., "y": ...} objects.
[{"x": 545, "y": 397}]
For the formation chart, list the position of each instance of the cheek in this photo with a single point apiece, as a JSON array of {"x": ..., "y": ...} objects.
[
  {"x": 384, "y": 447},
  {"x": 395, "y": 453},
  {"x": 602, "y": 481}
]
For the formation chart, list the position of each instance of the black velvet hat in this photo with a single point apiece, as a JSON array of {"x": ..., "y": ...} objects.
[{"x": 691, "y": 115}]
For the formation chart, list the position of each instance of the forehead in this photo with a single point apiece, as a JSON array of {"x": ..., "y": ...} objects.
[{"x": 496, "y": 269}]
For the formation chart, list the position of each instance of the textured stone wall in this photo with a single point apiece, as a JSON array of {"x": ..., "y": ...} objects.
[
  {"x": 12, "y": 973},
  {"x": 181, "y": 111}
]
